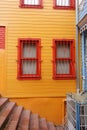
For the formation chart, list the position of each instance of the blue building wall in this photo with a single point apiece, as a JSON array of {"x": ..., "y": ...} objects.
[{"x": 82, "y": 9}]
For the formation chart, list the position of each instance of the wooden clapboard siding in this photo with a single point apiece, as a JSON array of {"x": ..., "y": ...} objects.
[{"x": 47, "y": 24}]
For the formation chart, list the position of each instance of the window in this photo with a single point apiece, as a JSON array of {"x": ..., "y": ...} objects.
[
  {"x": 29, "y": 63},
  {"x": 63, "y": 59},
  {"x": 31, "y": 3},
  {"x": 64, "y": 4},
  {"x": 2, "y": 37}
]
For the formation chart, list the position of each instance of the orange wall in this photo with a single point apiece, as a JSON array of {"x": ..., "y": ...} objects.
[
  {"x": 50, "y": 108},
  {"x": 46, "y": 24}
]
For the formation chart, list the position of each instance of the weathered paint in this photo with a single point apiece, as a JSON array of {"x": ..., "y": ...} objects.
[{"x": 47, "y": 24}]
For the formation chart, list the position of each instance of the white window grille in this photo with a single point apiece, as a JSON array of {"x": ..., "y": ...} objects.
[
  {"x": 63, "y": 2},
  {"x": 31, "y": 2}
]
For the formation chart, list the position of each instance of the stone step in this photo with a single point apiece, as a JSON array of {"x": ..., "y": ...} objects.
[
  {"x": 14, "y": 119},
  {"x": 25, "y": 120},
  {"x": 5, "y": 113},
  {"x": 34, "y": 122},
  {"x": 59, "y": 128},
  {"x": 51, "y": 126},
  {"x": 3, "y": 101},
  {"x": 43, "y": 124}
]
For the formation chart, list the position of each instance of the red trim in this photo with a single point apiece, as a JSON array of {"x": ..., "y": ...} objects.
[
  {"x": 2, "y": 37},
  {"x": 71, "y": 7},
  {"x": 39, "y": 6},
  {"x": 37, "y": 59},
  {"x": 72, "y": 73}
]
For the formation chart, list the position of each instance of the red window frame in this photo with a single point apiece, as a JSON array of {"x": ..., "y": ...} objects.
[
  {"x": 39, "y": 6},
  {"x": 2, "y": 37},
  {"x": 37, "y": 59},
  {"x": 72, "y": 74},
  {"x": 71, "y": 7}
]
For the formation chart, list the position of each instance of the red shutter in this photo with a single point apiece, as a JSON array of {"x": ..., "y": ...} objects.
[{"x": 2, "y": 37}]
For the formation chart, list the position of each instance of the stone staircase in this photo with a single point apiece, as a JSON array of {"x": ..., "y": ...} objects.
[{"x": 13, "y": 117}]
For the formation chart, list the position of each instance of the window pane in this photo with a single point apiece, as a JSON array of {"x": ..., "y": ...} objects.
[
  {"x": 63, "y": 2},
  {"x": 63, "y": 67},
  {"x": 31, "y": 2},
  {"x": 35, "y": 2},
  {"x": 28, "y": 67},
  {"x": 25, "y": 2},
  {"x": 29, "y": 50},
  {"x": 63, "y": 50}
]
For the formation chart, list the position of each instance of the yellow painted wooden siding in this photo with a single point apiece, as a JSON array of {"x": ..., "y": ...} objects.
[{"x": 46, "y": 24}]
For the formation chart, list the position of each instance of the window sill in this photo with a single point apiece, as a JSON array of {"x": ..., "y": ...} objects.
[
  {"x": 31, "y": 6},
  {"x": 67, "y": 77},
  {"x": 29, "y": 78},
  {"x": 64, "y": 7}
]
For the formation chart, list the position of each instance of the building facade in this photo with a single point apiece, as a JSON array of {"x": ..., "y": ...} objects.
[{"x": 37, "y": 54}]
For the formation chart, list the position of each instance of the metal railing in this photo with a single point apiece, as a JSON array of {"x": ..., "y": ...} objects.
[
  {"x": 83, "y": 117},
  {"x": 76, "y": 114},
  {"x": 71, "y": 114}
]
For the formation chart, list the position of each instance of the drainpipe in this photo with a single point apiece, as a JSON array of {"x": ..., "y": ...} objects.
[
  {"x": 77, "y": 71},
  {"x": 83, "y": 64}
]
